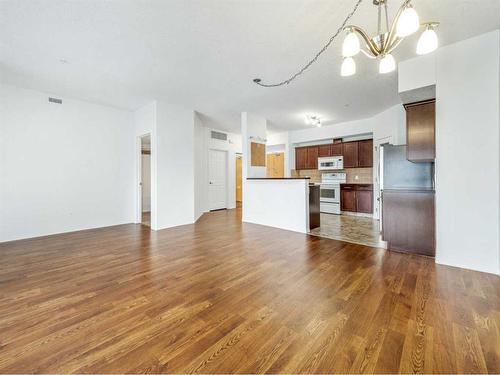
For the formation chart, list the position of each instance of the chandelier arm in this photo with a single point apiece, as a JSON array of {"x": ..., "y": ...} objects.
[
  {"x": 368, "y": 54},
  {"x": 394, "y": 45},
  {"x": 369, "y": 43},
  {"x": 392, "y": 33}
]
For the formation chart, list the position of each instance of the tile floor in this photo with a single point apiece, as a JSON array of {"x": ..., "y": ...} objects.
[{"x": 355, "y": 229}]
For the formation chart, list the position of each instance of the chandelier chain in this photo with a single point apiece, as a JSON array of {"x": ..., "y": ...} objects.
[{"x": 313, "y": 60}]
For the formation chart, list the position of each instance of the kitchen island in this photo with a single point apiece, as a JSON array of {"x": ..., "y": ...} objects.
[{"x": 287, "y": 203}]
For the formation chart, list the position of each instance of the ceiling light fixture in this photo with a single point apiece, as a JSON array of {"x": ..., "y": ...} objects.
[
  {"x": 381, "y": 46},
  {"x": 313, "y": 120}
]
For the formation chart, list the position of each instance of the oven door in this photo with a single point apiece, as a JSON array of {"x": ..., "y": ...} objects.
[{"x": 329, "y": 193}]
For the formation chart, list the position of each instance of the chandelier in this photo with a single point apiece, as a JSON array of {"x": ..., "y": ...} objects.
[
  {"x": 378, "y": 47},
  {"x": 381, "y": 46}
]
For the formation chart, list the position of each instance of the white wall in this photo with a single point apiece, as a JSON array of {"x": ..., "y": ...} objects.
[
  {"x": 467, "y": 153},
  {"x": 417, "y": 73},
  {"x": 253, "y": 128},
  {"x": 63, "y": 167},
  {"x": 173, "y": 166},
  {"x": 200, "y": 168}
]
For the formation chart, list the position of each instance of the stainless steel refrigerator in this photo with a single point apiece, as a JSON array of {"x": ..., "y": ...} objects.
[
  {"x": 397, "y": 173},
  {"x": 400, "y": 174}
]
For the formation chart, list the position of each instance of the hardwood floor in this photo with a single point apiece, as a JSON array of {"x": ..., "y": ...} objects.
[{"x": 223, "y": 297}]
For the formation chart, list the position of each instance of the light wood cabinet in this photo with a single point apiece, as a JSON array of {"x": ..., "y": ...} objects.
[{"x": 275, "y": 165}]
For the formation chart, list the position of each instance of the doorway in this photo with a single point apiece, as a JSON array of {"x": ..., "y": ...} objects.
[
  {"x": 145, "y": 180},
  {"x": 239, "y": 180},
  {"x": 275, "y": 165},
  {"x": 217, "y": 179}
]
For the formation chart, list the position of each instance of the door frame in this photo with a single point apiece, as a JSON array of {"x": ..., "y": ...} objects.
[
  {"x": 138, "y": 179},
  {"x": 377, "y": 199},
  {"x": 227, "y": 178}
]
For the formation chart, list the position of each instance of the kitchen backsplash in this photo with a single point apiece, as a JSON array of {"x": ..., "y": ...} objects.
[{"x": 353, "y": 175}]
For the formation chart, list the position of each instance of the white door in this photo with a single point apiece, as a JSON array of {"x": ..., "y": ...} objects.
[{"x": 217, "y": 179}]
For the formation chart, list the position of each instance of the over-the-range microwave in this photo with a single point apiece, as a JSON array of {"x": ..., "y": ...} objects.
[{"x": 331, "y": 163}]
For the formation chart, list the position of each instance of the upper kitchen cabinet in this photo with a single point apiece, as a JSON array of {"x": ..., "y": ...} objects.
[
  {"x": 312, "y": 157},
  {"x": 336, "y": 149},
  {"x": 365, "y": 153},
  {"x": 350, "y": 153},
  {"x": 324, "y": 150},
  {"x": 420, "y": 131},
  {"x": 301, "y": 158}
]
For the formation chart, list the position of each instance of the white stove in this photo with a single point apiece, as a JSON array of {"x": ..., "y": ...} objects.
[{"x": 329, "y": 200}]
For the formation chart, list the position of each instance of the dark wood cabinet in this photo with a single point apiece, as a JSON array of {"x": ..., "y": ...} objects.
[
  {"x": 420, "y": 131},
  {"x": 356, "y": 154},
  {"x": 356, "y": 198},
  {"x": 364, "y": 201},
  {"x": 365, "y": 153},
  {"x": 409, "y": 221},
  {"x": 301, "y": 158},
  {"x": 324, "y": 150},
  {"x": 350, "y": 153},
  {"x": 336, "y": 149},
  {"x": 314, "y": 207},
  {"x": 312, "y": 157},
  {"x": 348, "y": 199}
]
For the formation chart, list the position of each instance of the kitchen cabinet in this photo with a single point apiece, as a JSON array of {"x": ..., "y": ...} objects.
[
  {"x": 348, "y": 199},
  {"x": 301, "y": 158},
  {"x": 336, "y": 149},
  {"x": 275, "y": 165},
  {"x": 350, "y": 153},
  {"x": 364, "y": 201},
  {"x": 365, "y": 153},
  {"x": 356, "y": 154},
  {"x": 312, "y": 157},
  {"x": 324, "y": 150},
  {"x": 314, "y": 207},
  {"x": 420, "y": 131},
  {"x": 409, "y": 221},
  {"x": 356, "y": 198}
]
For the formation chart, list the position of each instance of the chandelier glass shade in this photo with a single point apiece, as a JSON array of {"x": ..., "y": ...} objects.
[
  {"x": 386, "y": 41},
  {"x": 348, "y": 67},
  {"x": 428, "y": 41}
]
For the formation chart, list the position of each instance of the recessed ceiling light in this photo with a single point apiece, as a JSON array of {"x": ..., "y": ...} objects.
[{"x": 63, "y": 61}]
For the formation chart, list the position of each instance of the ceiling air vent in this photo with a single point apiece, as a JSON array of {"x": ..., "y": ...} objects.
[
  {"x": 55, "y": 100},
  {"x": 219, "y": 135}
]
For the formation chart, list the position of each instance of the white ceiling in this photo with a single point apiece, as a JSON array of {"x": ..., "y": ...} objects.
[{"x": 204, "y": 54}]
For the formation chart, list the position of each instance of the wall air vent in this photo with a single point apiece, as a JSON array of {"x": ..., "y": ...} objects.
[
  {"x": 55, "y": 100},
  {"x": 219, "y": 135}
]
